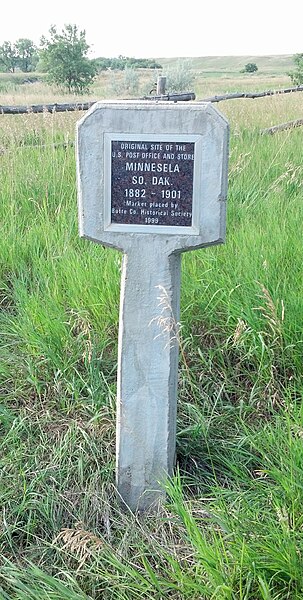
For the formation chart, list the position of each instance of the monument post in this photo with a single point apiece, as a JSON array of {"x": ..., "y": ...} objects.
[
  {"x": 147, "y": 371},
  {"x": 152, "y": 182}
]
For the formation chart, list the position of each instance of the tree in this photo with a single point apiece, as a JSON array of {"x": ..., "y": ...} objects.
[
  {"x": 8, "y": 57},
  {"x": 27, "y": 57},
  {"x": 21, "y": 54},
  {"x": 250, "y": 68},
  {"x": 64, "y": 57},
  {"x": 297, "y": 75}
]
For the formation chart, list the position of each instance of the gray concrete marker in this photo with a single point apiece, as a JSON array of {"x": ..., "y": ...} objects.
[{"x": 152, "y": 182}]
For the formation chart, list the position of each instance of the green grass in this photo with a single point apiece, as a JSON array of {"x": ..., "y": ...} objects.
[{"x": 231, "y": 528}]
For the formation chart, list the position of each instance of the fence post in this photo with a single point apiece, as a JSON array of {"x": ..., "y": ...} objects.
[{"x": 161, "y": 85}]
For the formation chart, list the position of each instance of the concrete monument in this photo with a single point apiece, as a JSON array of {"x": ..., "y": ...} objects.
[{"x": 152, "y": 182}]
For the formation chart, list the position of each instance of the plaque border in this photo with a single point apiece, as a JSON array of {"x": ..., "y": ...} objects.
[{"x": 197, "y": 177}]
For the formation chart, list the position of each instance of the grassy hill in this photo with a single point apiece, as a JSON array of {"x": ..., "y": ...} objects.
[{"x": 269, "y": 65}]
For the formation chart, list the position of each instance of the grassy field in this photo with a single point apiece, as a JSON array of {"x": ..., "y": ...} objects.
[
  {"x": 232, "y": 525},
  {"x": 209, "y": 75}
]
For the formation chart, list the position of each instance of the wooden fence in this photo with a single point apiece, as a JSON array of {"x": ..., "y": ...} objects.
[
  {"x": 184, "y": 97},
  {"x": 80, "y": 106}
]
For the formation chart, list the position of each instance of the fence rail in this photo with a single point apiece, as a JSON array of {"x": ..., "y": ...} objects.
[
  {"x": 252, "y": 95},
  {"x": 41, "y": 108},
  {"x": 283, "y": 127},
  {"x": 74, "y": 106}
]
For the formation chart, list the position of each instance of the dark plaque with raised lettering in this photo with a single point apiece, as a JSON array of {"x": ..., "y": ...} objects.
[{"x": 152, "y": 182}]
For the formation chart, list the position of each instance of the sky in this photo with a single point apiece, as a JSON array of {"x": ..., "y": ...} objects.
[{"x": 164, "y": 28}]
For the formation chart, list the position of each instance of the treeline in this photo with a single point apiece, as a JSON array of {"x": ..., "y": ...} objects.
[
  {"x": 124, "y": 62},
  {"x": 24, "y": 56}
]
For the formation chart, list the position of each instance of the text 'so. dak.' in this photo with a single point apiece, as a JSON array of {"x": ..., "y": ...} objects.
[{"x": 151, "y": 183}]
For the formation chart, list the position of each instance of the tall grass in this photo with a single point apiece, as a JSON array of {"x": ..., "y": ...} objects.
[{"x": 232, "y": 526}]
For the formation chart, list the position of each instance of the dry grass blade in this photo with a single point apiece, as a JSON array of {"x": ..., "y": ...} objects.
[
  {"x": 270, "y": 312},
  {"x": 81, "y": 543}
]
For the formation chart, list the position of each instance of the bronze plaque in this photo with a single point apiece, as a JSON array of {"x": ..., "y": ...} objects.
[{"x": 152, "y": 182}]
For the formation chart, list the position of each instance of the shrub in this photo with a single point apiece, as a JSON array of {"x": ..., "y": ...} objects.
[
  {"x": 180, "y": 78},
  {"x": 250, "y": 68}
]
